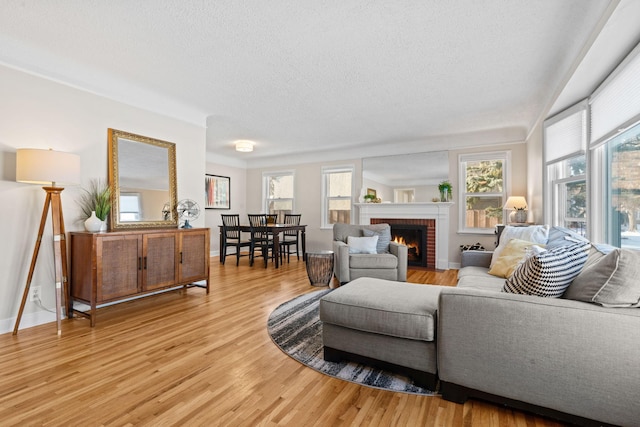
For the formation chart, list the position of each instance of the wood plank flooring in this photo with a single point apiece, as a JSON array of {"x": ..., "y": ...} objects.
[{"x": 187, "y": 359}]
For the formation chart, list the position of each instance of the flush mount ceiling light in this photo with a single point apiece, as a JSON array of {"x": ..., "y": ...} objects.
[{"x": 244, "y": 146}]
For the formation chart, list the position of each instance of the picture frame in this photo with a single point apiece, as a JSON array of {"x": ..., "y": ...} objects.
[
  {"x": 372, "y": 192},
  {"x": 217, "y": 192}
]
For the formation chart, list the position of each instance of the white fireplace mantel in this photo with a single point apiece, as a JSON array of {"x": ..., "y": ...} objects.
[{"x": 429, "y": 210}]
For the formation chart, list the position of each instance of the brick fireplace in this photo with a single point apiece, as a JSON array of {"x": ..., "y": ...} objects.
[{"x": 433, "y": 216}]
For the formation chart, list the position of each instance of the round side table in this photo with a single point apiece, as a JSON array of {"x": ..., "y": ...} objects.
[{"x": 320, "y": 267}]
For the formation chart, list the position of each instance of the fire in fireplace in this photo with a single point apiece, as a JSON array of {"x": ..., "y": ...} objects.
[{"x": 414, "y": 237}]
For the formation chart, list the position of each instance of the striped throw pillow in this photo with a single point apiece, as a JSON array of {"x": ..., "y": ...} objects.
[{"x": 549, "y": 273}]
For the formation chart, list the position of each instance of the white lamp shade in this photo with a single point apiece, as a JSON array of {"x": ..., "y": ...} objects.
[
  {"x": 515, "y": 203},
  {"x": 244, "y": 146},
  {"x": 44, "y": 167}
]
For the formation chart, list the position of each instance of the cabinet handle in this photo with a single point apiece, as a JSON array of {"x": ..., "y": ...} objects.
[
  {"x": 139, "y": 263},
  {"x": 145, "y": 263},
  {"x": 180, "y": 257}
]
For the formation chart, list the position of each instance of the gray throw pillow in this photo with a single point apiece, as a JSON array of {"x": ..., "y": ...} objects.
[
  {"x": 384, "y": 238},
  {"x": 612, "y": 281}
]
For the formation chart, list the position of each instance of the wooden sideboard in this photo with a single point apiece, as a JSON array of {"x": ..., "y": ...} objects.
[{"x": 119, "y": 265}]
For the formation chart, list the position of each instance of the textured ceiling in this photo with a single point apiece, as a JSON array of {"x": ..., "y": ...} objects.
[{"x": 302, "y": 76}]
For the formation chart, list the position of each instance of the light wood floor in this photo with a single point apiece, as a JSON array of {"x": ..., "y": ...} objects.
[{"x": 185, "y": 358}]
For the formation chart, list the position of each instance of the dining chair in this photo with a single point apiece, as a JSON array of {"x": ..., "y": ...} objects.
[
  {"x": 232, "y": 237},
  {"x": 260, "y": 238},
  {"x": 290, "y": 237}
]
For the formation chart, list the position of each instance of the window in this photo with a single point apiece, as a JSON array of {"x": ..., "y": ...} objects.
[
  {"x": 483, "y": 179},
  {"x": 337, "y": 191},
  {"x": 566, "y": 196},
  {"x": 620, "y": 158},
  {"x": 278, "y": 193},
  {"x": 569, "y": 193}
]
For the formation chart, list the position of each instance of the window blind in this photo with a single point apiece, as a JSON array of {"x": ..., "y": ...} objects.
[
  {"x": 615, "y": 105},
  {"x": 565, "y": 134}
]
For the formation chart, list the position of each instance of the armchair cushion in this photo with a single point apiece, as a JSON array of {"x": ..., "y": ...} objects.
[{"x": 373, "y": 261}]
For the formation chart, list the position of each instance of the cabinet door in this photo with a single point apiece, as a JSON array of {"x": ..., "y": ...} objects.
[
  {"x": 194, "y": 256},
  {"x": 118, "y": 266},
  {"x": 160, "y": 260}
]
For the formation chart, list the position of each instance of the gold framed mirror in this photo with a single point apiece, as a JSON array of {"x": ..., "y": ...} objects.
[{"x": 142, "y": 178}]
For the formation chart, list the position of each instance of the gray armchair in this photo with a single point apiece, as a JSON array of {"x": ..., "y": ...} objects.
[{"x": 390, "y": 261}]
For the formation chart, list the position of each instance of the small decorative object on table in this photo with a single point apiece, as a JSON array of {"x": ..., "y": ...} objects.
[
  {"x": 445, "y": 189},
  {"x": 320, "y": 267},
  {"x": 189, "y": 211},
  {"x": 95, "y": 204}
]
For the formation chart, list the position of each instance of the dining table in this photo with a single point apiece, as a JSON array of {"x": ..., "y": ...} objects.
[{"x": 274, "y": 230}]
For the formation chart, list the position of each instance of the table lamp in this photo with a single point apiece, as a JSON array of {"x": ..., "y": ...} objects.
[
  {"x": 49, "y": 168},
  {"x": 518, "y": 205}
]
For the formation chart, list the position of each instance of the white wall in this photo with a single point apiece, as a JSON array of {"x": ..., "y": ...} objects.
[
  {"x": 38, "y": 113},
  {"x": 238, "y": 187},
  {"x": 307, "y": 194}
]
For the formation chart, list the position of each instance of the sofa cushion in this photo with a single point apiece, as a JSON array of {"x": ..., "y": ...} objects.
[
  {"x": 549, "y": 273},
  {"x": 384, "y": 307},
  {"x": 475, "y": 277},
  {"x": 513, "y": 253},
  {"x": 374, "y": 260},
  {"x": 611, "y": 281},
  {"x": 532, "y": 233},
  {"x": 384, "y": 237},
  {"x": 561, "y": 236},
  {"x": 362, "y": 245}
]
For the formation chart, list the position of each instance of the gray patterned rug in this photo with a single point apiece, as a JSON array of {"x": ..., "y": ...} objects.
[{"x": 296, "y": 328}]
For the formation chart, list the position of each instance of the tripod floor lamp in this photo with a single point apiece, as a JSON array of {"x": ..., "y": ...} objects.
[{"x": 50, "y": 168}]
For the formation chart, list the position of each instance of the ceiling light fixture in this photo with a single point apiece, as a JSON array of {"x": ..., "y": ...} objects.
[{"x": 244, "y": 146}]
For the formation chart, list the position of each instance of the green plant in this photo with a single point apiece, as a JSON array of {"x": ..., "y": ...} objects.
[
  {"x": 95, "y": 198},
  {"x": 369, "y": 197},
  {"x": 445, "y": 186}
]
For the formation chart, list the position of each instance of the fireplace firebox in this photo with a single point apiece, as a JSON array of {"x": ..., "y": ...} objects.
[{"x": 414, "y": 237}]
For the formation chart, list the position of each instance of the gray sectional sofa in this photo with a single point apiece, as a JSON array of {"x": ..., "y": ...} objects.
[{"x": 572, "y": 360}]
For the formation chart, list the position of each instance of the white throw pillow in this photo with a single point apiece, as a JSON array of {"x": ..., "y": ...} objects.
[
  {"x": 362, "y": 245},
  {"x": 532, "y": 233}
]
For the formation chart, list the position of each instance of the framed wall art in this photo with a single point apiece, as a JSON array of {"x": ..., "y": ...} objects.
[{"x": 217, "y": 192}]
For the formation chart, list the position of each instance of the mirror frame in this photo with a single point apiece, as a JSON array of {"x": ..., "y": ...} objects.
[{"x": 114, "y": 181}]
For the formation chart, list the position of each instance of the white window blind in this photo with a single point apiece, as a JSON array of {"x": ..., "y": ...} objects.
[
  {"x": 615, "y": 105},
  {"x": 565, "y": 134}
]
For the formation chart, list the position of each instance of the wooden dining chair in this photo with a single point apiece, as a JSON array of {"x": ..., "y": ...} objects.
[
  {"x": 290, "y": 237},
  {"x": 232, "y": 237},
  {"x": 261, "y": 238}
]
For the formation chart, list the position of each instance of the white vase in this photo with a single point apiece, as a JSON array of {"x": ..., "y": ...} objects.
[{"x": 93, "y": 223}]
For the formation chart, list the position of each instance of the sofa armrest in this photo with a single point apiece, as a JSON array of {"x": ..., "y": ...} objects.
[
  {"x": 341, "y": 261},
  {"x": 476, "y": 259},
  {"x": 569, "y": 356},
  {"x": 402, "y": 253}
]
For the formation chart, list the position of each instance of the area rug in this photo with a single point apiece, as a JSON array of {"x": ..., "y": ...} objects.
[{"x": 295, "y": 327}]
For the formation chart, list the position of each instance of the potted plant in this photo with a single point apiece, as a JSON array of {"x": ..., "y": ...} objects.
[
  {"x": 445, "y": 189},
  {"x": 369, "y": 198},
  {"x": 95, "y": 204}
]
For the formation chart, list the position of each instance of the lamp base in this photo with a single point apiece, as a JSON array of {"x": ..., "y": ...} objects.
[{"x": 520, "y": 216}]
